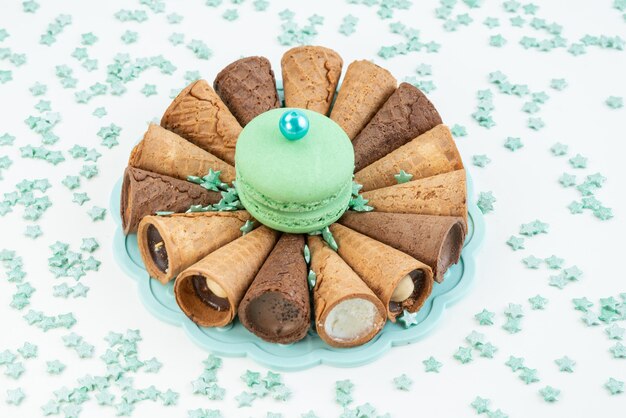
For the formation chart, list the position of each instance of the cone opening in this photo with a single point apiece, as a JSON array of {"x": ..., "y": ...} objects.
[
  {"x": 157, "y": 248},
  {"x": 196, "y": 307},
  {"x": 420, "y": 285},
  {"x": 353, "y": 319},
  {"x": 125, "y": 201},
  {"x": 451, "y": 247},
  {"x": 271, "y": 315}
]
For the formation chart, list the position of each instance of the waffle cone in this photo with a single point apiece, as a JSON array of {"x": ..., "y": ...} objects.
[
  {"x": 233, "y": 268},
  {"x": 283, "y": 273},
  {"x": 337, "y": 282},
  {"x": 145, "y": 192},
  {"x": 188, "y": 237},
  {"x": 431, "y": 153},
  {"x": 406, "y": 114},
  {"x": 382, "y": 267},
  {"x": 365, "y": 88},
  {"x": 199, "y": 115},
  {"x": 443, "y": 194},
  {"x": 164, "y": 152},
  {"x": 434, "y": 240},
  {"x": 247, "y": 86},
  {"x": 310, "y": 77}
]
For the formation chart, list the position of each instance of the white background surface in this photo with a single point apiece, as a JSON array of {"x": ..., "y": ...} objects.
[{"x": 524, "y": 182}]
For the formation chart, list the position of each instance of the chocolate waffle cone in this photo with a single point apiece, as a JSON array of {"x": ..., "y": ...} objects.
[
  {"x": 336, "y": 283},
  {"x": 365, "y": 88},
  {"x": 276, "y": 307},
  {"x": 164, "y": 152},
  {"x": 232, "y": 268},
  {"x": 199, "y": 115},
  {"x": 443, "y": 194},
  {"x": 310, "y": 77},
  {"x": 431, "y": 153},
  {"x": 145, "y": 193},
  {"x": 434, "y": 240},
  {"x": 247, "y": 86},
  {"x": 170, "y": 244},
  {"x": 382, "y": 268},
  {"x": 405, "y": 115}
]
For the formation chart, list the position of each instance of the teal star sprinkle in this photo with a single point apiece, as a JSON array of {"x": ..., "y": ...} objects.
[
  {"x": 513, "y": 144},
  {"x": 554, "y": 262},
  {"x": 614, "y": 386},
  {"x": 431, "y": 365},
  {"x": 408, "y": 319},
  {"x": 28, "y": 350},
  {"x": 54, "y": 367},
  {"x": 514, "y": 311},
  {"x": 244, "y": 399},
  {"x": 549, "y": 394},
  {"x": 33, "y": 231},
  {"x": 532, "y": 262},
  {"x": 590, "y": 319},
  {"x": 497, "y": 414},
  {"x": 50, "y": 408},
  {"x": 97, "y": 213},
  {"x": 485, "y": 201},
  {"x": 618, "y": 350},
  {"x": 251, "y": 378},
  {"x": 14, "y": 370},
  {"x": 512, "y": 325},
  {"x": 565, "y": 364},
  {"x": 485, "y": 317},
  {"x": 247, "y": 227},
  {"x": 567, "y": 180},
  {"x": 149, "y": 90},
  {"x": 537, "y": 302},
  {"x": 559, "y": 149},
  {"x": 80, "y": 198},
  {"x": 458, "y": 131},
  {"x": 615, "y": 332},
  {"x": 558, "y": 281},
  {"x": 515, "y": 363},
  {"x": 480, "y": 405},
  {"x": 15, "y": 396},
  {"x": 614, "y": 102},
  {"x": 578, "y": 161},
  {"x": 463, "y": 354},
  {"x": 403, "y": 177},
  {"x": 516, "y": 243},
  {"x": 480, "y": 160},
  {"x": 403, "y": 382},
  {"x": 528, "y": 376},
  {"x": 475, "y": 339},
  {"x": 487, "y": 350},
  {"x": 7, "y": 357},
  {"x": 169, "y": 397},
  {"x": 89, "y": 245}
]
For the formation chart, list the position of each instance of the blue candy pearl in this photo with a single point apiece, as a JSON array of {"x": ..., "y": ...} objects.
[{"x": 294, "y": 125}]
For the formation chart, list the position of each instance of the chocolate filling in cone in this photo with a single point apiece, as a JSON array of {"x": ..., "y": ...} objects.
[
  {"x": 164, "y": 152},
  {"x": 276, "y": 307},
  {"x": 248, "y": 88},
  {"x": 145, "y": 192},
  {"x": 443, "y": 194},
  {"x": 170, "y": 244},
  {"x": 365, "y": 88},
  {"x": 434, "y": 240},
  {"x": 347, "y": 312},
  {"x": 209, "y": 291},
  {"x": 400, "y": 281},
  {"x": 406, "y": 114},
  {"x": 199, "y": 115},
  {"x": 310, "y": 77},
  {"x": 431, "y": 153}
]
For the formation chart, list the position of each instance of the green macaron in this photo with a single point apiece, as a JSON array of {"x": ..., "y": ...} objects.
[{"x": 298, "y": 182}]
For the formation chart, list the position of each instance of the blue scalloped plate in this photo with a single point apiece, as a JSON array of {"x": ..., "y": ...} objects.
[{"x": 235, "y": 341}]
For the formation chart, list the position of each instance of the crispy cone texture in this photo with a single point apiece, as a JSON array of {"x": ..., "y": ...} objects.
[
  {"x": 337, "y": 282},
  {"x": 188, "y": 237},
  {"x": 233, "y": 268}
]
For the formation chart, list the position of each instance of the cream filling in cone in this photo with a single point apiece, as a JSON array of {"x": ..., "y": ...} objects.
[
  {"x": 351, "y": 320},
  {"x": 403, "y": 290},
  {"x": 211, "y": 293}
]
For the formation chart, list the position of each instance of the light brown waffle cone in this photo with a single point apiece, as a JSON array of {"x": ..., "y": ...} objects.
[
  {"x": 434, "y": 240},
  {"x": 233, "y": 268},
  {"x": 443, "y": 194},
  {"x": 337, "y": 282},
  {"x": 310, "y": 77},
  {"x": 381, "y": 267},
  {"x": 164, "y": 152},
  {"x": 431, "y": 153},
  {"x": 199, "y": 115},
  {"x": 145, "y": 192},
  {"x": 365, "y": 88},
  {"x": 188, "y": 237}
]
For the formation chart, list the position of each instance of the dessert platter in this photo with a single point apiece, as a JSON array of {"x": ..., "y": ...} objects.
[{"x": 302, "y": 222}]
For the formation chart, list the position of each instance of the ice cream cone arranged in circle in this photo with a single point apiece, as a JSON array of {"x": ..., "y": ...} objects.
[
  {"x": 406, "y": 114},
  {"x": 209, "y": 291},
  {"x": 276, "y": 307},
  {"x": 199, "y": 115},
  {"x": 364, "y": 89},
  {"x": 310, "y": 77},
  {"x": 248, "y": 87},
  {"x": 164, "y": 152},
  {"x": 347, "y": 312},
  {"x": 145, "y": 193},
  {"x": 433, "y": 152},
  {"x": 400, "y": 281},
  {"x": 443, "y": 194},
  {"x": 170, "y": 244},
  {"x": 435, "y": 240}
]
